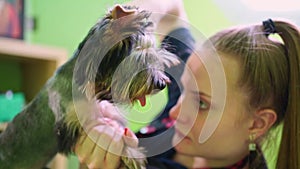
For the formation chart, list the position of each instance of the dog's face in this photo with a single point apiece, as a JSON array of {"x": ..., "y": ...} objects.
[{"x": 118, "y": 60}]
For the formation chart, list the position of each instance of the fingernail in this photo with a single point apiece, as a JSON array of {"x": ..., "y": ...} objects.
[{"x": 125, "y": 131}]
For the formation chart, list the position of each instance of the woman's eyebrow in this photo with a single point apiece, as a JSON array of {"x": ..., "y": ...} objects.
[{"x": 200, "y": 93}]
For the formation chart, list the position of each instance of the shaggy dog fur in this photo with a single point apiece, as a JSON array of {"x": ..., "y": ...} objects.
[{"x": 117, "y": 61}]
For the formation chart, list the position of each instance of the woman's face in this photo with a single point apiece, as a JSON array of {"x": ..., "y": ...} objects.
[{"x": 229, "y": 139}]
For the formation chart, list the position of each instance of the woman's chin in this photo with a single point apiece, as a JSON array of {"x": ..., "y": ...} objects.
[{"x": 180, "y": 141}]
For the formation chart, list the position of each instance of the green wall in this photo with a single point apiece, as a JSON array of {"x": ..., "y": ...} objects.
[{"x": 64, "y": 23}]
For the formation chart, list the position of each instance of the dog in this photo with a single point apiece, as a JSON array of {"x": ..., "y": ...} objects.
[{"x": 117, "y": 61}]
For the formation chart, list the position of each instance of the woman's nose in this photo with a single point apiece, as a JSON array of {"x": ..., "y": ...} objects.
[{"x": 175, "y": 110}]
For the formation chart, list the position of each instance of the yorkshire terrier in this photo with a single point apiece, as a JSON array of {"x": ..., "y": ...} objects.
[{"x": 117, "y": 61}]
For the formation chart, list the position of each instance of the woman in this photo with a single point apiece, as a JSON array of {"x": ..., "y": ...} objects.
[{"x": 262, "y": 91}]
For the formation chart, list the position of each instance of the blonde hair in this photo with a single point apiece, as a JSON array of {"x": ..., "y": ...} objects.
[{"x": 270, "y": 74}]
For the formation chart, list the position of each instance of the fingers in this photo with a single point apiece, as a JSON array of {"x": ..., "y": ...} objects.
[
  {"x": 130, "y": 138},
  {"x": 84, "y": 148},
  {"x": 102, "y": 147},
  {"x": 108, "y": 148},
  {"x": 113, "y": 157}
]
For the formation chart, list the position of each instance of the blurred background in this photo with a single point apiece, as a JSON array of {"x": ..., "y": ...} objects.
[{"x": 54, "y": 28}]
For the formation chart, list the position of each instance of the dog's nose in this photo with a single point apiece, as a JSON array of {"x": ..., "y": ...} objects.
[{"x": 160, "y": 84}]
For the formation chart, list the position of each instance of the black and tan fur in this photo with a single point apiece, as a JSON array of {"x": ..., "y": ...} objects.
[{"x": 116, "y": 61}]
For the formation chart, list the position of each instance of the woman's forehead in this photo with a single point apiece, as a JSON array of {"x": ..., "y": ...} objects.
[
  {"x": 195, "y": 75},
  {"x": 205, "y": 70}
]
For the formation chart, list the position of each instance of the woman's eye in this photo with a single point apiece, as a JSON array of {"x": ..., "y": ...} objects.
[{"x": 203, "y": 105}]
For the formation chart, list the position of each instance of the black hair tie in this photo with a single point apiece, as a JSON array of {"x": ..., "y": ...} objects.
[{"x": 269, "y": 27}]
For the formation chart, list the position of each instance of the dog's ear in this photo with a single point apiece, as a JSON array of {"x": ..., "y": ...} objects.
[{"x": 119, "y": 11}]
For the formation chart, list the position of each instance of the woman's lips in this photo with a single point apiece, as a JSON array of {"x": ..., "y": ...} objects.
[{"x": 180, "y": 134}]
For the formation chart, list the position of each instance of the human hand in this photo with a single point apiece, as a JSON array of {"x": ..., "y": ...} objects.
[{"x": 102, "y": 144}]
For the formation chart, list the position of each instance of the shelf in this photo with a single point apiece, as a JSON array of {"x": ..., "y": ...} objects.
[
  {"x": 18, "y": 49},
  {"x": 37, "y": 63}
]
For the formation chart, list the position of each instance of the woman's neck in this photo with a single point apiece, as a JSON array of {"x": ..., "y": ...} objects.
[{"x": 198, "y": 162}]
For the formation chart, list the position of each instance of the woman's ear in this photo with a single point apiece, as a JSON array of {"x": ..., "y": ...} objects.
[{"x": 262, "y": 121}]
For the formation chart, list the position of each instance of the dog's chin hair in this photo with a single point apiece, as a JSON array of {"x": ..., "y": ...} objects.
[{"x": 140, "y": 72}]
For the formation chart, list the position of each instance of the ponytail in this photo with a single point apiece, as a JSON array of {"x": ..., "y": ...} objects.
[
  {"x": 270, "y": 75},
  {"x": 289, "y": 152}
]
